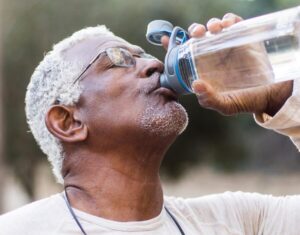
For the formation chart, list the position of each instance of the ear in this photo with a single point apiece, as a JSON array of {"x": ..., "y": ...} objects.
[{"x": 61, "y": 122}]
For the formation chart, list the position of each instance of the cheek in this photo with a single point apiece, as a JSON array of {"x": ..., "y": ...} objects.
[
  {"x": 124, "y": 96},
  {"x": 112, "y": 104},
  {"x": 108, "y": 87},
  {"x": 118, "y": 86},
  {"x": 113, "y": 90}
]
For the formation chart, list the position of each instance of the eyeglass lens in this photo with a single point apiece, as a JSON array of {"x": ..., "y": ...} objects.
[{"x": 120, "y": 57}]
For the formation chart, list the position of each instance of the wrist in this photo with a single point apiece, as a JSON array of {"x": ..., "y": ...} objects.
[{"x": 278, "y": 96}]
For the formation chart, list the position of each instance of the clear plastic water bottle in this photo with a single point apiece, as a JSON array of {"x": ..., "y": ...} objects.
[{"x": 254, "y": 52}]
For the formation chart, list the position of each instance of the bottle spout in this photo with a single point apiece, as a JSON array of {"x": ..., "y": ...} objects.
[
  {"x": 171, "y": 82},
  {"x": 164, "y": 81}
]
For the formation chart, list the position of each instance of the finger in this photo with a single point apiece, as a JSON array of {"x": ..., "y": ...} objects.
[
  {"x": 200, "y": 87},
  {"x": 165, "y": 41},
  {"x": 214, "y": 25},
  {"x": 197, "y": 30},
  {"x": 211, "y": 99},
  {"x": 230, "y": 19},
  {"x": 207, "y": 96}
]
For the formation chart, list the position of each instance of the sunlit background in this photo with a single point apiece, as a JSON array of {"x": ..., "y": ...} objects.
[{"x": 215, "y": 154}]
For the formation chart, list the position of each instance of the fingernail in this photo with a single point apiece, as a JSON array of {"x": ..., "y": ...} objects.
[
  {"x": 191, "y": 29},
  {"x": 228, "y": 15},
  {"x": 197, "y": 88},
  {"x": 212, "y": 20}
]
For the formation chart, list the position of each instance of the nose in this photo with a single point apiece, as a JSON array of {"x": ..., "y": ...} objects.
[{"x": 150, "y": 66}]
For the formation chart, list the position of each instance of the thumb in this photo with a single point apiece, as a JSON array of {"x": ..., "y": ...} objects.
[
  {"x": 210, "y": 98},
  {"x": 206, "y": 94}
]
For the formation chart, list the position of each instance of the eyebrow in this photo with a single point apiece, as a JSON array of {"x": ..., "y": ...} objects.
[{"x": 135, "y": 49}]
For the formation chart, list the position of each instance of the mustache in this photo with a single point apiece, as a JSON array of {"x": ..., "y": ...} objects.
[{"x": 154, "y": 82}]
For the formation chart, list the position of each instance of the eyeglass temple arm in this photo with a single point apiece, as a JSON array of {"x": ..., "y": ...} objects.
[{"x": 87, "y": 67}]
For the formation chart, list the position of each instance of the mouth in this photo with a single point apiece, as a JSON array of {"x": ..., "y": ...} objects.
[{"x": 169, "y": 94}]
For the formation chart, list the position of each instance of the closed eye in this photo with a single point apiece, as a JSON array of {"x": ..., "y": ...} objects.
[
  {"x": 137, "y": 55},
  {"x": 104, "y": 63}
]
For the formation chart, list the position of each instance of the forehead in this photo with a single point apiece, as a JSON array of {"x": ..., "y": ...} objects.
[{"x": 88, "y": 48}]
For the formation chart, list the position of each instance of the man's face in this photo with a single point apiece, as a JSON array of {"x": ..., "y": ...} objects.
[{"x": 118, "y": 101}]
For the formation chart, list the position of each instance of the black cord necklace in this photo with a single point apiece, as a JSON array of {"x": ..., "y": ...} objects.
[{"x": 83, "y": 231}]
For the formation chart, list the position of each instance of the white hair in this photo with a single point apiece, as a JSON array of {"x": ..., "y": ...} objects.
[{"x": 52, "y": 80}]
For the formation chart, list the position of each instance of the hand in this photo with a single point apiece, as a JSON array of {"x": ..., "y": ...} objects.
[{"x": 219, "y": 69}]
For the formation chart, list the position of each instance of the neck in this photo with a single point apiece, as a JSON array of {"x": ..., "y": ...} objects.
[{"x": 115, "y": 185}]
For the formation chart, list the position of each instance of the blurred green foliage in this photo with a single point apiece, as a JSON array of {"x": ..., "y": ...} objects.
[{"x": 31, "y": 27}]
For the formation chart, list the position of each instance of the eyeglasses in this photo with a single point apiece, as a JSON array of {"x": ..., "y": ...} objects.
[{"x": 119, "y": 57}]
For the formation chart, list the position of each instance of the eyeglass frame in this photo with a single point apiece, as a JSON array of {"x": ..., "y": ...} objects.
[{"x": 105, "y": 51}]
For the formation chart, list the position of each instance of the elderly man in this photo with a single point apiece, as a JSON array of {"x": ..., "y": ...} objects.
[{"x": 96, "y": 108}]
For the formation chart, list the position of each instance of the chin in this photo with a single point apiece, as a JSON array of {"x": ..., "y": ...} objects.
[{"x": 171, "y": 120}]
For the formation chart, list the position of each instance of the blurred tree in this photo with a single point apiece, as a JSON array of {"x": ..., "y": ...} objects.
[{"x": 32, "y": 26}]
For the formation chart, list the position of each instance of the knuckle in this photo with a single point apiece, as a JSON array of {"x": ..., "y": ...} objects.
[{"x": 213, "y": 20}]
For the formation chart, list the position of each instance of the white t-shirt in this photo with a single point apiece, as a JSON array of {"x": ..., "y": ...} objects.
[{"x": 219, "y": 214}]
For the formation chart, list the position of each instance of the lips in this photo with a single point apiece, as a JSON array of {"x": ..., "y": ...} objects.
[
  {"x": 156, "y": 88},
  {"x": 167, "y": 93}
]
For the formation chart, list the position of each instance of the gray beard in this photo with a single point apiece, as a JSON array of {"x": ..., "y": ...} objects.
[{"x": 171, "y": 120}]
